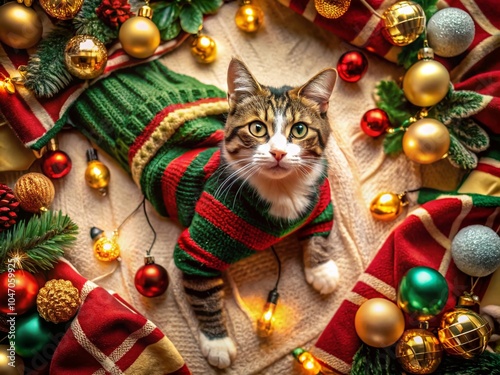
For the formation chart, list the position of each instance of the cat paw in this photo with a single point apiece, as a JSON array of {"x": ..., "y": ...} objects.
[
  {"x": 324, "y": 277},
  {"x": 219, "y": 352}
]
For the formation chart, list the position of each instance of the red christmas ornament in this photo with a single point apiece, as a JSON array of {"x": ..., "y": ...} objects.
[
  {"x": 55, "y": 163},
  {"x": 18, "y": 291},
  {"x": 352, "y": 66},
  {"x": 151, "y": 280},
  {"x": 374, "y": 122}
]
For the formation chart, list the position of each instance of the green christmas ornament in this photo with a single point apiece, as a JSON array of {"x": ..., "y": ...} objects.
[
  {"x": 422, "y": 293},
  {"x": 32, "y": 334}
]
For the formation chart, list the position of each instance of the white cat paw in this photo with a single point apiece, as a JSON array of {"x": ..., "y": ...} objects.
[
  {"x": 324, "y": 278},
  {"x": 218, "y": 352}
]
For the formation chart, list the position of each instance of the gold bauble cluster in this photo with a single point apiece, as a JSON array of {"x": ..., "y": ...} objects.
[
  {"x": 204, "y": 49},
  {"x": 20, "y": 26},
  {"x": 61, "y": 9},
  {"x": 249, "y": 17},
  {"x": 139, "y": 35},
  {"x": 58, "y": 301},
  {"x": 35, "y": 192},
  {"x": 85, "y": 56}
]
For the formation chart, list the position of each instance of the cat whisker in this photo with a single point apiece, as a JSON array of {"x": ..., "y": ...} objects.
[{"x": 229, "y": 181}]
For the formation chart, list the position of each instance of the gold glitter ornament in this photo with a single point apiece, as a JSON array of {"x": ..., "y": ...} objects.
[
  {"x": 61, "y": 9},
  {"x": 419, "y": 351},
  {"x": 332, "y": 8},
  {"x": 85, "y": 56},
  {"x": 404, "y": 21},
  {"x": 58, "y": 301},
  {"x": 35, "y": 192},
  {"x": 106, "y": 247}
]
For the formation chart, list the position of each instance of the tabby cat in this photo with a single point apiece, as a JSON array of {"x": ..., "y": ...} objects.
[{"x": 270, "y": 181}]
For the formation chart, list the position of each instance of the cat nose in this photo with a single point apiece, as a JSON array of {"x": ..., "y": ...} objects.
[{"x": 278, "y": 154}]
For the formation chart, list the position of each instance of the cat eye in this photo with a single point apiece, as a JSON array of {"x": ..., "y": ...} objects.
[
  {"x": 257, "y": 129},
  {"x": 299, "y": 130}
]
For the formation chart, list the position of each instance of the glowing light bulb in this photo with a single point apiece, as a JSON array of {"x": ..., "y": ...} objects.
[
  {"x": 265, "y": 323},
  {"x": 106, "y": 246},
  {"x": 307, "y": 361}
]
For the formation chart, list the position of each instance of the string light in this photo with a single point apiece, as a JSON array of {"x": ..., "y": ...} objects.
[
  {"x": 265, "y": 323},
  {"x": 307, "y": 360}
]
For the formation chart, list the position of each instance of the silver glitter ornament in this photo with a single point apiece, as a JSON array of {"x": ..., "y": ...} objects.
[
  {"x": 476, "y": 250},
  {"x": 450, "y": 32}
]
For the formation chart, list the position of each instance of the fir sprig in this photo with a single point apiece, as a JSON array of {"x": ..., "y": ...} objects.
[
  {"x": 87, "y": 22},
  {"x": 46, "y": 73},
  {"x": 38, "y": 243}
]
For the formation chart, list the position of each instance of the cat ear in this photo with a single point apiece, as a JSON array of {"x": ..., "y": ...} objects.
[
  {"x": 319, "y": 88},
  {"x": 240, "y": 82}
]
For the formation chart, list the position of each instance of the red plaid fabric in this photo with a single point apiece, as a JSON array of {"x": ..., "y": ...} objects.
[
  {"x": 36, "y": 120},
  {"x": 108, "y": 336},
  {"x": 477, "y": 69},
  {"x": 423, "y": 239}
]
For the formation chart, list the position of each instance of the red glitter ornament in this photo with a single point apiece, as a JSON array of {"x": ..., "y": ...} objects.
[
  {"x": 18, "y": 291},
  {"x": 151, "y": 280},
  {"x": 352, "y": 66},
  {"x": 375, "y": 122}
]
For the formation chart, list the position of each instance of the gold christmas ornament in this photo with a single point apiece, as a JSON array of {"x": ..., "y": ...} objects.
[
  {"x": 332, "y": 8},
  {"x": 139, "y": 35},
  {"x": 61, "y": 9},
  {"x": 427, "y": 81},
  {"x": 97, "y": 174},
  {"x": 106, "y": 247},
  {"x": 204, "y": 48},
  {"x": 464, "y": 333},
  {"x": 8, "y": 85},
  {"x": 20, "y": 26},
  {"x": 35, "y": 192},
  {"x": 85, "y": 57},
  {"x": 404, "y": 21},
  {"x": 58, "y": 301},
  {"x": 249, "y": 17},
  {"x": 388, "y": 206},
  {"x": 419, "y": 351},
  {"x": 379, "y": 322},
  {"x": 426, "y": 141}
]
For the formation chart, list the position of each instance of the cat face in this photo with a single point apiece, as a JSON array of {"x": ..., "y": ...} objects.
[{"x": 276, "y": 133}]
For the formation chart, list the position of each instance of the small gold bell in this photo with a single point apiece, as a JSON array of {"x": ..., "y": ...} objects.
[
  {"x": 388, "y": 206},
  {"x": 97, "y": 174}
]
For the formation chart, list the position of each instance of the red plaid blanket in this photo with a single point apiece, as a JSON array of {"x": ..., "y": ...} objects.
[{"x": 120, "y": 341}]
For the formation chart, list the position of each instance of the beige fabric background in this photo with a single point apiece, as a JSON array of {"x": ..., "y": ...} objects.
[{"x": 287, "y": 50}]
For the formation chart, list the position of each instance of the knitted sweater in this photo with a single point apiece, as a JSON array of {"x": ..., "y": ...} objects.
[{"x": 164, "y": 128}]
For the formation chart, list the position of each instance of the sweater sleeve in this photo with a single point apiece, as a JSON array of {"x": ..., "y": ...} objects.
[{"x": 321, "y": 221}]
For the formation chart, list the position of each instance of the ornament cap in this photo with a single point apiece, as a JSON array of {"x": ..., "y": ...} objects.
[
  {"x": 273, "y": 296},
  {"x": 92, "y": 154},
  {"x": 95, "y": 233},
  {"x": 53, "y": 144},
  {"x": 426, "y": 53},
  {"x": 149, "y": 259},
  {"x": 467, "y": 300},
  {"x": 145, "y": 11}
]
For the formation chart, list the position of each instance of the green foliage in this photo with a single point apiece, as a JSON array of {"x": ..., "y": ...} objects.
[
  {"x": 87, "y": 22},
  {"x": 39, "y": 242},
  {"x": 459, "y": 105},
  {"x": 372, "y": 361},
  {"x": 459, "y": 156},
  {"x": 486, "y": 363},
  {"x": 409, "y": 54},
  {"x": 172, "y": 17},
  {"x": 46, "y": 72},
  {"x": 393, "y": 142},
  {"x": 471, "y": 135},
  {"x": 392, "y": 100}
]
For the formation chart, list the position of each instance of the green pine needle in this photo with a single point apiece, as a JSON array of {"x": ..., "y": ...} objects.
[
  {"x": 46, "y": 73},
  {"x": 86, "y": 22},
  {"x": 39, "y": 242}
]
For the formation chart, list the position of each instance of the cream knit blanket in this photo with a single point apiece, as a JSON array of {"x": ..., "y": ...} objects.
[{"x": 287, "y": 50}]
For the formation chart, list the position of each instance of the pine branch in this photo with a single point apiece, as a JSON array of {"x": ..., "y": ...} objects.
[
  {"x": 38, "y": 243},
  {"x": 46, "y": 73},
  {"x": 87, "y": 22}
]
